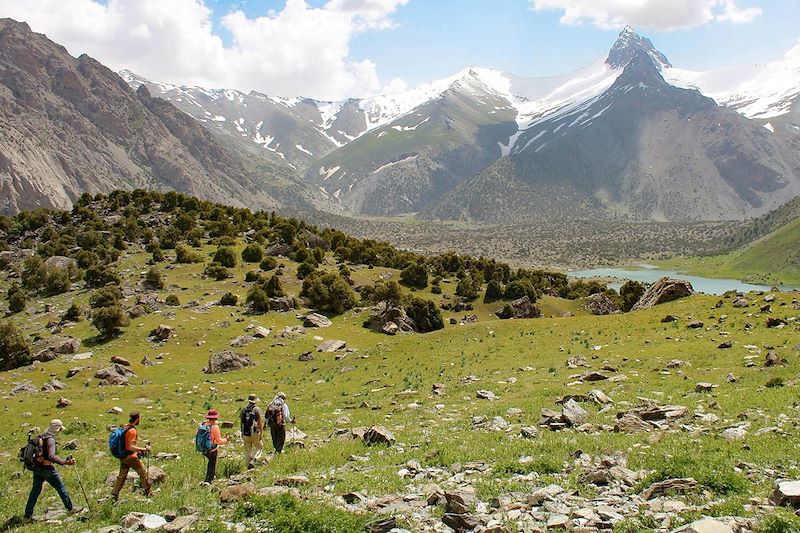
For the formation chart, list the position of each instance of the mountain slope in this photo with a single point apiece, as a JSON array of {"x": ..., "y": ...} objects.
[
  {"x": 642, "y": 149},
  {"x": 72, "y": 126}
]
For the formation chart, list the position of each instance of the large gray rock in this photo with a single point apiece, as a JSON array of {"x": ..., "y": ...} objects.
[
  {"x": 228, "y": 361},
  {"x": 663, "y": 291},
  {"x": 676, "y": 485},
  {"x": 600, "y": 304},
  {"x": 573, "y": 413},
  {"x": 378, "y": 435},
  {"x": 281, "y": 303},
  {"x": 114, "y": 375},
  {"x": 786, "y": 493},
  {"x": 315, "y": 320},
  {"x": 60, "y": 262},
  {"x": 705, "y": 525},
  {"x": 331, "y": 346}
]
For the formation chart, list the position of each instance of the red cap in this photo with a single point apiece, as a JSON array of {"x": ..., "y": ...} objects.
[{"x": 212, "y": 414}]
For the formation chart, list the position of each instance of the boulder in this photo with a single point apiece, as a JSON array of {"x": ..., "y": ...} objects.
[
  {"x": 695, "y": 324},
  {"x": 600, "y": 304},
  {"x": 292, "y": 481},
  {"x": 381, "y": 525},
  {"x": 775, "y": 322},
  {"x": 390, "y": 321},
  {"x": 53, "y": 385},
  {"x": 485, "y": 395},
  {"x": 572, "y": 413},
  {"x": 786, "y": 492},
  {"x": 162, "y": 332},
  {"x": 705, "y": 525},
  {"x": 663, "y": 291},
  {"x": 460, "y": 522},
  {"x": 228, "y": 361},
  {"x": 331, "y": 346},
  {"x": 114, "y": 375},
  {"x": 181, "y": 524},
  {"x": 63, "y": 402},
  {"x": 772, "y": 359},
  {"x": 233, "y": 493},
  {"x": 117, "y": 360},
  {"x": 315, "y": 241},
  {"x": 60, "y": 262},
  {"x": 599, "y": 397},
  {"x": 143, "y": 521},
  {"x": 306, "y": 356},
  {"x": 390, "y": 328},
  {"x": 315, "y": 320},
  {"x": 378, "y": 435},
  {"x": 675, "y": 485},
  {"x": 72, "y": 372},
  {"x": 137, "y": 311},
  {"x": 260, "y": 332},
  {"x": 277, "y": 249},
  {"x": 520, "y": 308},
  {"x": 704, "y": 387},
  {"x": 741, "y": 302},
  {"x": 26, "y": 387},
  {"x": 725, "y": 345},
  {"x": 146, "y": 361},
  {"x": 281, "y": 304},
  {"x": 241, "y": 341}
]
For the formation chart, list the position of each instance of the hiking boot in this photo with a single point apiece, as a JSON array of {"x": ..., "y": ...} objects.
[
  {"x": 205, "y": 484},
  {"x": 26, "y": 520}
]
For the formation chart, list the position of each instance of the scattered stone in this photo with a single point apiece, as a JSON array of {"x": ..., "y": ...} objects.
[
  {"x": 669, "y": 318},
  {"x": 315, "y": 320},
  {"x": 72, "y": 445},
  {"x": 741, "y": 302},
  {"x": 675, "y": 485},
  {"x": 143, "y": 521},
  {"x": 663, "y": 291},
  {"x": 228, "y": 361},
  {"x": 528, "y": 432},
  {"x": 82, "y": 356},
  {"x": 772, "y": 359},
  {"x": 599, "y": 397},
  {"x": 520, "y": 308},
  {"x": 695, "y": 324},
  {"x": 775, "y": 322},
  {"x": 233, "y": 493},
  {"x": 241, "y": 341},
  {"x": 786, "y": 493},
  {"x": 738, "y": 432},
  {"x": 572, "y": 413},
  {"x": 292, "y": 481},
  {"x": 705, "y": 525},
  {"x": 181, "y": 524},
  {"x": 704, "y": 387},
  {"x": 306, "y": 356},
  {"x": 146, "y": 361},
  {"x": 460, "y": 522},
  {"x": 281, "y": 304},
  {"x": 485, "y": 395},
  {"x": 162, "y": 332},
  {"x": 114, "y": 375},
  {"x": 331, "y": 346},
  {"x": 260, "y": 332},
  {"x": 378, "y": 435},
  {"x": 382, "y": 525},
  {"x": 438, "y": 389},
  {"x": 725, "y": 345},
  {"x": 117, "y": 360},
  {"x": 63, "y": 402}
]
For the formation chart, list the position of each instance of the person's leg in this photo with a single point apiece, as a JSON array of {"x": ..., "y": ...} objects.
[
  {"x": 144, "y": 479},
  {"x": 55, "y": 481},
  {"x": 211, "y": 470},
  {"x": 281, "y": 439},
  {"x": 273, "y": 432},
  {"x": 248, "y": 449},
  {"x": 36, "y": 490},
  {"x": 123, "y": 475},
  {"x": 258, "y": 446}
]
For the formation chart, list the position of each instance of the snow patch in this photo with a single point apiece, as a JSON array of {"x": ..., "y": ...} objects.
[
  {"x": 300, "y": 147},
  {"x": 768, "y": 126}
]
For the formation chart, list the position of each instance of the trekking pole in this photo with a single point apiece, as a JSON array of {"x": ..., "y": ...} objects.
[{"x": 80, "y": 484}]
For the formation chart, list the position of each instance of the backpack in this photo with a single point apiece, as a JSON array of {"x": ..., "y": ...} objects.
[
  {"x": 202, "y": 439},
  {"x": 275, "y": 415},
  {"x": 249, "y": 419},
  {"x": 32, "y": 453},
  {"x": 116, "y": 442}
]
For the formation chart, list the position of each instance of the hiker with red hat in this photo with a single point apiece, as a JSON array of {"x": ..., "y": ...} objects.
[{"x": 207, "y": 440}]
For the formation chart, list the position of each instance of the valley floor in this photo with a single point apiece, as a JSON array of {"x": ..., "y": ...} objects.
[{"x": 735, "y": 437}]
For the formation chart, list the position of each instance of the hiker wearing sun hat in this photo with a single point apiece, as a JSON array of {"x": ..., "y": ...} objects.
[
  {"x": 252, "y": 426},
  {"x": 207, "y": 440},
  {"x": 44, "y": 470}
]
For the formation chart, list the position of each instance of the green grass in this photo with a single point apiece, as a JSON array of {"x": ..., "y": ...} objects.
[{"x": 435, "y": 430}]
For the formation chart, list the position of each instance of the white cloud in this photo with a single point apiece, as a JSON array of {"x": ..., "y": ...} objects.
[
  {"x": 652, "y": 14},
  {"x": 300, "y": 50}
]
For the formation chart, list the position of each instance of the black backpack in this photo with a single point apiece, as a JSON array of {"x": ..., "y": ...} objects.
[
  {"x": 32, "y": 454},
  {"x": 249, "y": 419}
]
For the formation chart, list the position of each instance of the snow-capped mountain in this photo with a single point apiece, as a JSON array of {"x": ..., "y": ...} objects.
[{"x": 402, "y": 153}]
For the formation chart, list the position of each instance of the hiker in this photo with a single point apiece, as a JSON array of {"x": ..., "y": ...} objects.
[
  {"x": 44, "y": 470},
  {"x": 252, "y": 425},
  {"x": 130, "y": 457},
  {"x": 277, "y": 416},
  {"x": 207, "y": 440}
]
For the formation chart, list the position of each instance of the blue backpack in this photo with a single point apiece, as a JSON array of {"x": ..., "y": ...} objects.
[
  {"x": 116, "y": 442},
  {"x": 202, "y": 439}
]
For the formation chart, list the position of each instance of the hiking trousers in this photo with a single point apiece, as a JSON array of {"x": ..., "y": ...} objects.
[
  {"x": 211, "y": 468},
  {"x": 125, "y": 465},
  {"x": 252, "y": 448},
  {"x": 278, "y": 434},
  {"x": 51, "y": 476}
]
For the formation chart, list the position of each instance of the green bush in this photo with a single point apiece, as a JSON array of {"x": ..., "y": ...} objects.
[
  {"x": 269, "y": 263},
  {"x": 520, "y": 288},
  {"x": 73, "y": 313},
  {"x": 329, "y": 292},
  {"x": 185, "y": 255},
  {"x": 229, "y": 299},
  {"x": 153, "y": 279},
  {"x": 273, "y": 287},
  {"x": 630, "y": 292},
  {"x": 225, "y": 257},
  {"x": 100, "y": 275},
  {"x": 305, "y": 269},
  {"x": 252, "y": 253},
  {"x": 34, "y": 272},
  {"x": 17, "y": 299},
  {"x": 251, "y": 276},
  {"x": 779, "y": 521},
  {"x": 109, "y": 320},
  {"x": 105, "y": 297},
  {"x": 414, "y": 275},
  {"x": 217, "y": 272},
  {"x": 258, "y": 300},
  {"x": 425, "y": 314},
  {"x": 494, "y": 291},
  {"x": 14, "y": 348},
  {"x": 173, "y": 300},
  {"x": 467, "y": 288}
]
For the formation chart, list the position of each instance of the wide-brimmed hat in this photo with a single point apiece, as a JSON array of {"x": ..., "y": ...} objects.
[
  {"x": 253, "y": 398},
  {"x": 55, "y": 426},
  {"x": 212, "y": 414}
]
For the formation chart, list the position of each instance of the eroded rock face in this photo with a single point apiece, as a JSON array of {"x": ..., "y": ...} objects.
[
  {"x": 663, "y": 291},
  {"x": 378, "y": 435},
  {"x": 228, "y": 361},
  {"x": 114, "y": 375},
  {"x": 600, "y": 304}
]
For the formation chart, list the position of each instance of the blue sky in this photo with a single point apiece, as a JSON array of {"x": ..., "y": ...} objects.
[
  {"x": 334, "y": 49},
  {"x": 435, "y": 38}
]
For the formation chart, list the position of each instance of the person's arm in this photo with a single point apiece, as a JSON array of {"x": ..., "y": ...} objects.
[
  {"x": 287, "y": 417},
  {"x": 216, "y": 435},
  {"x": 50, "y": 452},
  {"x": 130, "y": 441},
  {"x": 260, "y": 420}
]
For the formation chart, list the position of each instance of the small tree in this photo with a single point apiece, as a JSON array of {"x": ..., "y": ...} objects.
[
  {"x": 466, "y": 288},
  {"x": 494, "y": 291},
  {"x": 252, "y": 253},
  {"x": 630, "y": 293},
  {"x": 152, "y": 279},
  {"x": 217, "y": 272},
  {"x": 425, "y": 314},
  {"x": 329, "y": 292},
  {"x": 305, "y": 269},
  {"x": 183, "y": 254},
  {"x": 172, "y": 300},
  {"x": 519, "y": 288},
  {"x": 273, "y": 287},
  {"x": 105, "y": 297},
  {"x": 15, "y": 351},
  {"x": 73, "y": 313},
  {"x": 388, "y": 293},
  {"x": 17, "y": 298},
  {"x": 269, "y": 263},
  {"x": 225, "y": 257},
  {"x": 229, "y": 299},
  {"x": 414, "y": 275},
  {"x": 258, "y": 300},
  {"x": 100, "y": 275},
  {"x": 109, "y": 320},
  {"x": 33, "y": 273}
]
